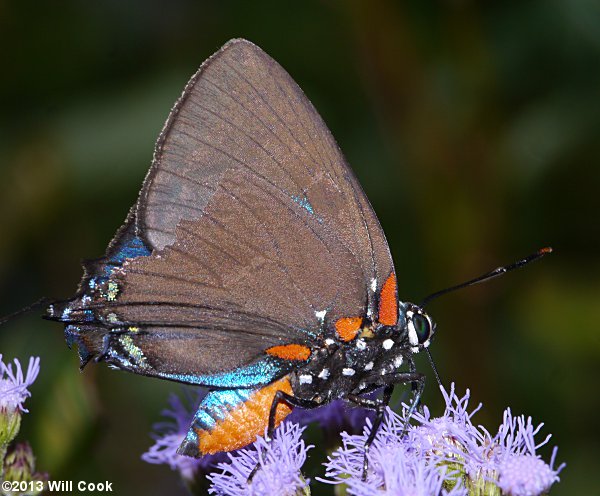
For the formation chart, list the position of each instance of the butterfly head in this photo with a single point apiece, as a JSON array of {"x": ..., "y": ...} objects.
[{"x": 419, "y": 327}]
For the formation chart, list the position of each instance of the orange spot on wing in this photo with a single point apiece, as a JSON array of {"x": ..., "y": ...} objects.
[
  {"x": 347, "y": 327},
  {"x": 388, "y": 302},
  {"x": 246, "y": 422},
  {"x": 290, "y": 352}
]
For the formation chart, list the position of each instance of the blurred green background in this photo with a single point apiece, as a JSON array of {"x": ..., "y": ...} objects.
[{"x": 473, "y": 127}]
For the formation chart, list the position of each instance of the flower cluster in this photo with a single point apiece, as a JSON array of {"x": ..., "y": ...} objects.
[
  {"x": 449, "y": 454},
  {"x": 396, "y": 465}
]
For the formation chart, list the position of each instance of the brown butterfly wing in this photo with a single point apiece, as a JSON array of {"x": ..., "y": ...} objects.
[{"x": 259, "y": 230}]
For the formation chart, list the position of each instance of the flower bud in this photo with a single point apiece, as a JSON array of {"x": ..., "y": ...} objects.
[{"x": 10, "y": 423}]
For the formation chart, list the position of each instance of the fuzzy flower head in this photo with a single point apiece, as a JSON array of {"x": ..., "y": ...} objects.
[
  {"x": 506, "y": 461},
  {"x": 397, "y": 464},
  {"x": 279, "y": 463},
  {"x": 449, "y": 434},
  {"x": 170, "y": 434},
  {"x": 521, "y": 471},
  {"x": 432, "y": 456},
  {"x": 527, "y": 475},
  {"x": 14, "y": 384},
  {"x": 403, "y": 472}
]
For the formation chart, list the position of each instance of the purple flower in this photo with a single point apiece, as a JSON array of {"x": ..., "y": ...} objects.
[
  {"x": 397, "y": 465},
  {"x": 521, "y": 472},
  {"x": 169, "y": 436},
  {"x": 279, "y": 464},
  {"x": 404, "y": 473},
  {"x": 507, "y": 459},
  {"x": 13, "y": 384},
  {"x": 527, "y": 475},
  {"x": 430, "y": 457},
  {"x": 451, "y": 433}
]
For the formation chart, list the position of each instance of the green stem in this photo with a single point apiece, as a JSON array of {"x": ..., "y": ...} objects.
[{"x": 3, "y": 448}]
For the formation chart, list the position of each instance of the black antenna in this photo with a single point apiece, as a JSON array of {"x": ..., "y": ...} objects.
[
  {"x": 42, "y": 302},
  {"x": 490, "y": 275}
]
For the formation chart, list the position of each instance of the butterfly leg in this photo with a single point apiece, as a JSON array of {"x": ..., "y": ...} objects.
[
  {"x": 417, "y": 387},
  {"x": 291, "y": 401},
  {"x": 379, "y": 406},
  {"x": 417, "y": 381}
]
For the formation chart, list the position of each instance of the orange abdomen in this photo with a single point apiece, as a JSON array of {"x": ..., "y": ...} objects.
[{"x": 246, "y": 422}]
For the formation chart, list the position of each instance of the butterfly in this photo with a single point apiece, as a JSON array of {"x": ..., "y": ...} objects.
[{"x": 251, "y": 264}]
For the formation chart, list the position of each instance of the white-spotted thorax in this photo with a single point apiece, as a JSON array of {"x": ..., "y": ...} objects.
[{"x": 377, "y": 356}]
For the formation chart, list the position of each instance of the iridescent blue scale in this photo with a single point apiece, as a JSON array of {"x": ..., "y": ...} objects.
[
  {"x": 130, "y": 247},
  {"x": 256, "y": 374}
]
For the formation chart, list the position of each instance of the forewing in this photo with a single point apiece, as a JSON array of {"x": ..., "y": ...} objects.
[{"x": 242, "y": 113}]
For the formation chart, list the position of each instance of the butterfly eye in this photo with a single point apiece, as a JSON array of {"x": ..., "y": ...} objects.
[{"x": 422, "y": 327}]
